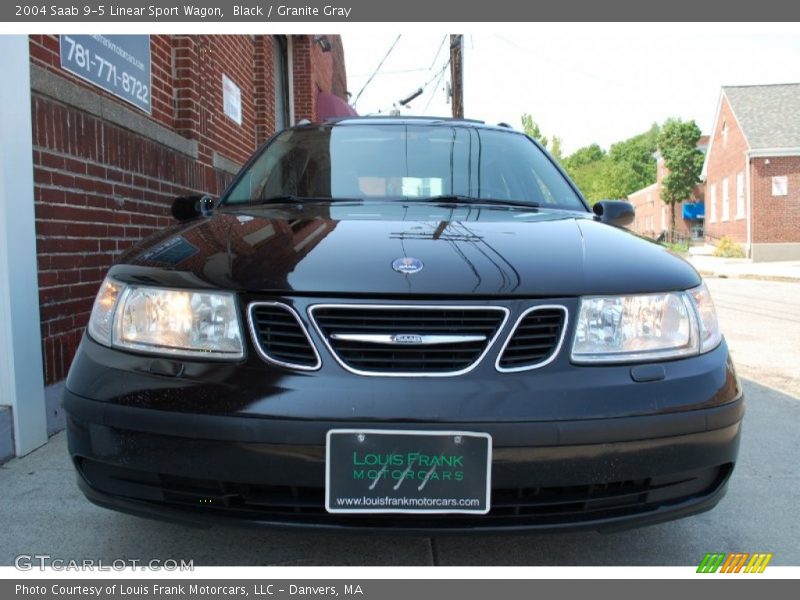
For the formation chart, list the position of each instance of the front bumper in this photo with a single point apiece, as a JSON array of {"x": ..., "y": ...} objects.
[{"x": 599, "y": 472}]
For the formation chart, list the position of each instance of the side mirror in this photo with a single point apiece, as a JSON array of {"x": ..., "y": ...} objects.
[
  {"x": 614, "y": 212},
  {"x": 189, "y": 207}
]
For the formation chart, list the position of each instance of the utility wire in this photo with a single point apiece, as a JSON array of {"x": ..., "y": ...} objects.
[
  {"x": 435, "y": 87},
  {"x": 394, "y": 72},
  {"x": 437, "y": 75},
  {"x": 433, "y": 62},
  {"x": 378, "y": 68}
]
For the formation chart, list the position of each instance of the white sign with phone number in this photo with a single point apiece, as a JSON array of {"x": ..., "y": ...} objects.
[{"x": 119, "y": 64}]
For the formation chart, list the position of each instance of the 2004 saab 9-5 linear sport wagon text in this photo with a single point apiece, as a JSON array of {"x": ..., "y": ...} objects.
[{"x": 409, "y": 324}]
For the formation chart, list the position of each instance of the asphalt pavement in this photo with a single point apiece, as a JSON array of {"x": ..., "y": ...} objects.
[{"x": 43, "y": 512}]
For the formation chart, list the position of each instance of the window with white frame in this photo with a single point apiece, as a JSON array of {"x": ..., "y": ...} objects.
[
  {"x": 663, "y": 218},
  {"x": 740, "y": 195},
  {"x": 780, "y": 185},
  {"x": 726, "y": 209},
  {"x": 713, "y": 202}
]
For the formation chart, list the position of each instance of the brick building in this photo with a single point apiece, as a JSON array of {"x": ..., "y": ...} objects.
[
  {"x": 752, "y": 171},
  {"x": 653, "y": 216},
  {"x": 105, "y": 171}
]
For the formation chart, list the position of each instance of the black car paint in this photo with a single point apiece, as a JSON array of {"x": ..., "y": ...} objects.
[
  {"x": 253, "y": 389},
  {"x": 468, "y": 251},
  {"x": 560, "y": 425}
]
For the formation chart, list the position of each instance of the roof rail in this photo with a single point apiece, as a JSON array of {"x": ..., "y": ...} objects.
[{"x": 404, "y": 118}]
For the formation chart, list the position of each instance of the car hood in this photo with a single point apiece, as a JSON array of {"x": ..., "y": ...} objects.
[{"x": 349, "y": 249}]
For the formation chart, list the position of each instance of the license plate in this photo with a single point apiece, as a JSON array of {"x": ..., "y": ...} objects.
[{"x": 380, "y": 471}]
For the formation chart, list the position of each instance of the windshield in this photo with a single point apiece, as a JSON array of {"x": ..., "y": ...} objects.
[{"x": 404, "y": 162}]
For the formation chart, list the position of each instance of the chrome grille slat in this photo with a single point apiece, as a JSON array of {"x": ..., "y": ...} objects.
[
  {"x": 280, "y": 336},
  {"x": 534, "y": 340},
  {"x": 469, "y": 349},
  {"x": 421, "y": 330},
  {"x": 407, "y": 359}
]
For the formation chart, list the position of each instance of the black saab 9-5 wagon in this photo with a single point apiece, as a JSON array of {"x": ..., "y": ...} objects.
[{"x": 410, "y": 324}]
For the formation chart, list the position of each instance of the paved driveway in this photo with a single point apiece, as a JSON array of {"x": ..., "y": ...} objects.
[
  {"x": 43, "y": 512},
  {"x": 761, "y": 320}
]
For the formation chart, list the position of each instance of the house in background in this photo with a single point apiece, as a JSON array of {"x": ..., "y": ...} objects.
[
  {"x": 653, "y": 216},
  {"x": 752, "y": 171}
]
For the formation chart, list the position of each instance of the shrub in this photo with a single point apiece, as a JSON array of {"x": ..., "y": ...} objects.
[
  {"x": 727, "y": 248},
  {"x": 681, "y": 247}
]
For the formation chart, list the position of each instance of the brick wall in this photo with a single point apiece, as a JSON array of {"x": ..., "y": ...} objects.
[
  {"x": 326, "y": 69},
  {"x": 652, "y": 215},
  {"x": 726, "y": 159},
  {"x": 264, "y": 88},
  {"x": 315, "y": 71},
  {"x": 305, "y": 97},
  {"x": 776, "y": 219},
  {"x": 647, "y": 204},
  {"x": 211, "y": 57},
  {"x": 101, "y": 185}
]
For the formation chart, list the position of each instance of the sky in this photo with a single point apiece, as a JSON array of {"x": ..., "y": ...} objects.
[{"x": 586, "y": 83}]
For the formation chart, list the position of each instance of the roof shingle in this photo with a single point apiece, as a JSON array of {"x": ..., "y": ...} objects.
[{"x": 769, "y": 115}]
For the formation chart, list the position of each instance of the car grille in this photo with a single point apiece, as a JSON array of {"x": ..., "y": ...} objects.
[
  {"x": 469, "y": 330},
  {"x": 280, "y": 337},
  {"x": 535, "y": 339},
  {"x": 510, "y": 507}
]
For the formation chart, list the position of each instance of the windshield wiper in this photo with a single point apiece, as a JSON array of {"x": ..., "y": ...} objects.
[
  {"x": 440, "y": 199},
  {"x": 464, "y": 199},
  {"x": 299, "y": 199}
]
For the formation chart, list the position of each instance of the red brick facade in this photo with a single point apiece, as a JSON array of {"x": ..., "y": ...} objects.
[
  {"x": 101, "y": 185},
  {"x": 749, "y": 174},
  {"x": 726, "y": 166},
  {"x": 653, "y": 216},
  {"x": 776, "y": 219}
]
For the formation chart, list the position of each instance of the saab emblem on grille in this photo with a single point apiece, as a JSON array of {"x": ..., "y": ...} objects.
[
  {"x": 407, "y": 265},
  {"x": 406, "y": 338}
]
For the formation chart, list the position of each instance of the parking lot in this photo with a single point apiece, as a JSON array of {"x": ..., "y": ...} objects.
[{"x": 44, "y": 513}]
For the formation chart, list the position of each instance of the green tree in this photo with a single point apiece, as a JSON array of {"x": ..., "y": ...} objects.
[
  {"x": 590, "y": 168},
  {"x": 555, "y": 148},
  {"x": 629, "y": 165},
  {"x": 530, "y": 127},
  {"x": 635, "y": 162},
  {"x": 677, "y": 144},
  {"x": 584, "y": 156}
]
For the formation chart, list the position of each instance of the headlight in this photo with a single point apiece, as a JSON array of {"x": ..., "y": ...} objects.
[
  {"x": 101, "y": 321},
  {"x": 710, "y": 335},
  {"x": 161, "y": 321},
  {"x": 635, "y": 328}
]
